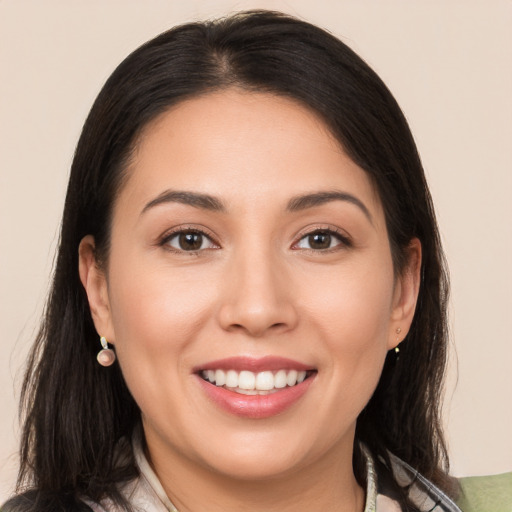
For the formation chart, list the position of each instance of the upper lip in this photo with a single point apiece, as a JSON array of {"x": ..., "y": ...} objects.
[{"x": 252, "y": 364}]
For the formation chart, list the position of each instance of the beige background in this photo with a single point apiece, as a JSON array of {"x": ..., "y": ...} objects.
[{"x": 448, "y": 63}]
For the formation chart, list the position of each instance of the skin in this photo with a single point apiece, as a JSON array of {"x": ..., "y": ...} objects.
[{"x": 255, "y": 288}]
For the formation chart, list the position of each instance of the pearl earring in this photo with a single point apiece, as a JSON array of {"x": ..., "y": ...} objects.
[{"x": 106, "y": 356}]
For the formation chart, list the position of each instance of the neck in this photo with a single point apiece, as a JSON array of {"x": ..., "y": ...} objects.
[{"x": 326, "y": 485}]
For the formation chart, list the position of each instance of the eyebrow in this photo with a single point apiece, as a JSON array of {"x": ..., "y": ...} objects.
[
  {"x": 203, "y": 201},
  {"x": 303, "y": 202},
  {"x": 298, "y": 203}
]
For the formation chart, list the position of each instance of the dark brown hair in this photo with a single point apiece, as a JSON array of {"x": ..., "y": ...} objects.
[{"x": 76, "y": 412}]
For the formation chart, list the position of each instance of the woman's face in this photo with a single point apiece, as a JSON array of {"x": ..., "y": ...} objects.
[{"x": 248, "y": 251}]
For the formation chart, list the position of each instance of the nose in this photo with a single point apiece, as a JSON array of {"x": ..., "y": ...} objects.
[{"x": 258, "y": 296}]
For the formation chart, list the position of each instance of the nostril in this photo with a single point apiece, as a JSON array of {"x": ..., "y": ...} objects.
[
  {"x": 256, "y": 330},
  {"x": 257, "y": 314}
]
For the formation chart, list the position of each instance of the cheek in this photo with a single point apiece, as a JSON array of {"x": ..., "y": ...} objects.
[
  {"x": 353, "y": 305},
  {"x": 352, "y": 315},
  {"x": 157, "y": 319},
  {"x": 156, "y": 314}
]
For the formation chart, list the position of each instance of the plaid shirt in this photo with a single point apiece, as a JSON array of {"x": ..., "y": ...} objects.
[{"x": 146, "y": 492}]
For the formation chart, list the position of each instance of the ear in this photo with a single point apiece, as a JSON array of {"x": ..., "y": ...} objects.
[
  {"x": 405, "y": 296},
  {"x": 95, "y": 283}
]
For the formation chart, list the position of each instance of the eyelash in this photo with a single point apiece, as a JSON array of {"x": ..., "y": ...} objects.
[
  {"x": 169, "y": 236},
  {"x": 344, "y": 240}
]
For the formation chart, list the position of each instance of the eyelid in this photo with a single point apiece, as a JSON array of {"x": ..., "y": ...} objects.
[
  {"x": 163, "y": 240},
  {"x": 341, "y": 235}
]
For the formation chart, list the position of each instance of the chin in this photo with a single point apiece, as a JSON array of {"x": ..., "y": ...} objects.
[
  {"x": 265, "y": 454},
  {"x": 257, "y": 468}
]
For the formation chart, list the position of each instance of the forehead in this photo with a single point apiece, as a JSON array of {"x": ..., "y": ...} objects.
[{"x": 231, "y": 143}]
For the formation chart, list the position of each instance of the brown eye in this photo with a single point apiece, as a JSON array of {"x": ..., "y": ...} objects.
[
  {"x": 320, "y": 240},
  {"x": 190, "y": 241}
]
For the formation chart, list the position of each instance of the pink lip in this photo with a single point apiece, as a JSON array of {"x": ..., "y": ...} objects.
[
  {"x": 267, "y": 363},
  {"x": 254, "y": 406}
]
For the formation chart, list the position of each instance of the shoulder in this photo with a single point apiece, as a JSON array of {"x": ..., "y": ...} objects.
[{"x": 486, "y": 493}]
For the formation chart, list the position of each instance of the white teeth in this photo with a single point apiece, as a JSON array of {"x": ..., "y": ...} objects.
[
  {"x": 246, "y": 380},
  {"x": 280, "y": 379},
  {"x": 232, "y": 379},
  {"x": 291, "y": 378},
  {"x": 220, "y": 377},
  {"x": 250, "y": 383},
  {"x": 265, "y": 381}
]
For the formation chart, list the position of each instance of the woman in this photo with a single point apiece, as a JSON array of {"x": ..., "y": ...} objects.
[{"x": 249, "y": 304}]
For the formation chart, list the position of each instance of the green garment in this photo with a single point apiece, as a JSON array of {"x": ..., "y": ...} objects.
[{"x": 486, "y": 493}]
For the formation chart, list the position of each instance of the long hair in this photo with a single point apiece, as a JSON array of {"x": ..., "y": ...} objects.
[{"x": 78, "y": 415}]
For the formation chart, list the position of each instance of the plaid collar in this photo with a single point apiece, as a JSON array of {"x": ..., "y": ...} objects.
[{"x": 421, "y": 492}]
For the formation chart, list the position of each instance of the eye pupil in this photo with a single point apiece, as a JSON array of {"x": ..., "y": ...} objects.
[
  {"x": 190, "y": 241},
  {"x": 320, "y": 240}
]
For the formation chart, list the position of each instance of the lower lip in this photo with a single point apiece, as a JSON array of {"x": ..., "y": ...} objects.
[{"x": 255, "y": 406}]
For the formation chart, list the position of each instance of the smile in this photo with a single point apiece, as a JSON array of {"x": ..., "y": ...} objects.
[
  {"x": 255, "y": 388},
  {"x": 251, "y": 383}
]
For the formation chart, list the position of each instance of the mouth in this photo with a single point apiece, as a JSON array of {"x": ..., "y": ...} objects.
[
  {"x": 247, "y": 382},
  {"x": 255, "y": 388}
]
